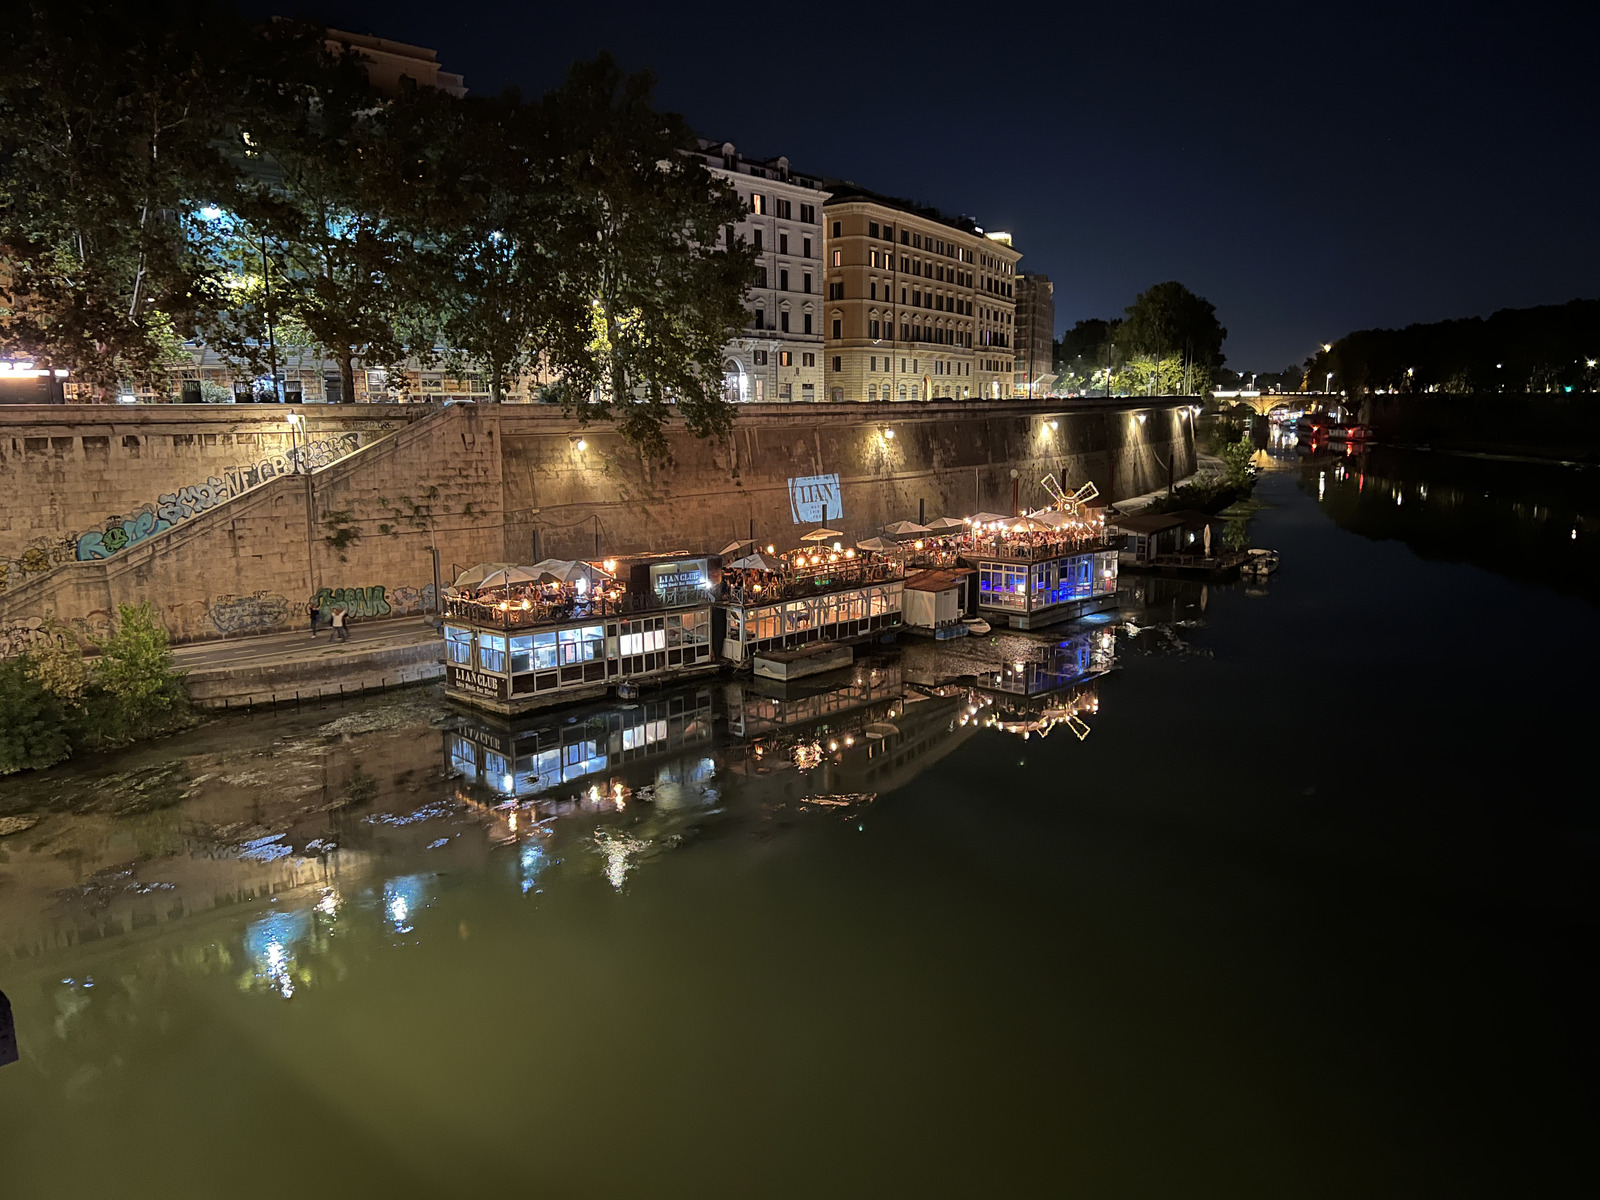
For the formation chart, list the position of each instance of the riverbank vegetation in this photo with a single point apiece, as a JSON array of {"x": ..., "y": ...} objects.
[
  {"x": 55, "y": 701},
  {"x": 1548, "y": 349}
]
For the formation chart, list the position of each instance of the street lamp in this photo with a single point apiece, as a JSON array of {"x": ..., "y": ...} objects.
[{"x": 1329, "y": 387}]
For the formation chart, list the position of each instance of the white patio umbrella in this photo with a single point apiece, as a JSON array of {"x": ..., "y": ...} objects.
[
  {"x": 876, "y": 546},
  {"x": 735, "y": 547},
  {"x": 473, "y": 576},
  {"x": 946, "y": 524},
  {"x": 905, "y": 529},
  {"x": 1053, "y": 518},
  {"x": 505, "y": 576},
  {"x": 564, "y": 570},
  {"x": 821, "y": 535},
  {"x": 756, "y": 562},
  {"x": 988, "y": 518}
]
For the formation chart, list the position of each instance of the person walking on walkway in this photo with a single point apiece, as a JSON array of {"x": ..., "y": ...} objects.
[
  {"x": 340, "y": 631},
  {"x": 315, "y": 611}
]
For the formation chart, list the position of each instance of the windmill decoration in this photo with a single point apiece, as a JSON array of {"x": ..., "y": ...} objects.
[{"x": 1067, "y": 511}]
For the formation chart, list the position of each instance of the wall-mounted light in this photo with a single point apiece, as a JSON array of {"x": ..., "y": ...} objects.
[
  {"x": 294, "y": 418},
  {"x": 578, "y": 444},
  {"x": 1054, "y": 424},
  {"x": 885, "y": 432},
  {"x": 1141, "y": 418}
]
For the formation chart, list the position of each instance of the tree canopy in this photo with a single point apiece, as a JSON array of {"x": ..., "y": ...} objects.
[{"x": 170, "y": 173}]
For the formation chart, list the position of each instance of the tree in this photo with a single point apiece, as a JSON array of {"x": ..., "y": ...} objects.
[
  {"x": 111, "y": 118},
  {"x": 1170, "y": 319},
  {"x": 496, "y": 234},
  {"x": 1236, "y": 457},
  {"x": 321, "y": 240},
  {"x": 652, "y": 280}
]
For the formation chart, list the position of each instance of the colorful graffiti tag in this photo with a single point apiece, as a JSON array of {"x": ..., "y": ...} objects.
[
  {"x": 120, "y": 532},
  {"x": 41, "y": 554},
  {"x": 358, "y": 602}
]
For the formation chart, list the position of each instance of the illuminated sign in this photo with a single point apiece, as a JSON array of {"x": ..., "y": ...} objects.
[
  {"x": 479, "y": 683},
  {"x": 677, "y": 576},
  {"x": 814, "y": 499}
]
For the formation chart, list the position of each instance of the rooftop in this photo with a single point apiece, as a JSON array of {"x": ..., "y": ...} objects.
[{"x": 941, "y": 580}]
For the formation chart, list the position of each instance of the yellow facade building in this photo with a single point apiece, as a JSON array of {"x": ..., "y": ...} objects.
[{"x": 918, "y": 306}]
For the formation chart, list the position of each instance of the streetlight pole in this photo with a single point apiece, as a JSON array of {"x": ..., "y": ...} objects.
[{"x": 272, "y": 342}]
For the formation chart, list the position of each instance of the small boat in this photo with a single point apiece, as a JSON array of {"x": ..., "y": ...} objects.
[
  {"x": 627, "y": 690},
  {"x": 975, "y": 625},
  {"x": 1259, "y": 564}
]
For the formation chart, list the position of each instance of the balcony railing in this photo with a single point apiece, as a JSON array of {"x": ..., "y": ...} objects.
[{"x": 490, "y": 615}]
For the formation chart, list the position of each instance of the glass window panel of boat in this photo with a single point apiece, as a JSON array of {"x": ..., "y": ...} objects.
[
  {"x": 544, "y": 651},
  {"x": 522, "y": 653},
  {"x": 492, "y": 652},
  {"x": 458, "y": 644},
  {"x": 496, "y": 771},
  {"x": 463, "y": 756},
  {"x": 594, "y": 642}
]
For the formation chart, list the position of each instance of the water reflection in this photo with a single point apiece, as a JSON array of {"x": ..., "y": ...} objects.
[
  {"x": 570, "y": 797},
  {"x": 1520, "y": 519}
]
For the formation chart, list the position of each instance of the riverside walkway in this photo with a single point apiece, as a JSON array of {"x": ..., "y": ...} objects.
[{"x": 275, "y": 668}]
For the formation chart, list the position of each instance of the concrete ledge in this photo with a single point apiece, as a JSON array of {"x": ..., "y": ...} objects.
[{"x": 357, "y": 670}]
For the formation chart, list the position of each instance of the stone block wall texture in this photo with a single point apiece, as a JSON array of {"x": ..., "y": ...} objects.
[
  {"x": 83, "y": 483},
  {"x": 482, "y": 484}
]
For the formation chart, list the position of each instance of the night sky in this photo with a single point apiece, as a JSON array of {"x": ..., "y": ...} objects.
[{"x": 1308, "y": 169}]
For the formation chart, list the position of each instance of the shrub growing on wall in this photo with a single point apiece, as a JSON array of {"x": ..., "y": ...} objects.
[
  {"x": 136, "y": 690},
  {"x": 33, "y": 725}
]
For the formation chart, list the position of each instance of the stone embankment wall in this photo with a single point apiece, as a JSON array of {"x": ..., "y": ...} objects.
[
  {"x": 481, "y": 484},
  {"x": 359, "y": 532},
  {"x": 788, "y": 468},
  {"x": 1560, "y": 426},
  {"x": 82, "y": 483}
]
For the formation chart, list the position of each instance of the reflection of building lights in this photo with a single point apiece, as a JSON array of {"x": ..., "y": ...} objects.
[{"x": 618, "y": 849}]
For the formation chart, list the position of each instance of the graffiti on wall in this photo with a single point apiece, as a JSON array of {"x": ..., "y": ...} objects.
[
  {"x": 19, "y": 637},
  {"x": 122, "y": 531},
  {"x": 39, "y": 556},
  {"x": 256, "y": 613},
  {"x": 376, "y": 601}
]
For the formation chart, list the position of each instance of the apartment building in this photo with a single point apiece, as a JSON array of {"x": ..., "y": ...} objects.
[
  {"x": 920, "y": 306},
  {"x": 1036, "y": 335},
  {"x": 779, "y": 357}
]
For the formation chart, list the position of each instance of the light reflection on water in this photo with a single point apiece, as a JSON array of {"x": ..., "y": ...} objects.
[{"x": 1208, "y": 923}]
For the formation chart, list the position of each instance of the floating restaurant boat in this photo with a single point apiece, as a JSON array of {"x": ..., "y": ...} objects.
[
  {"x": 823, "y": 593},
  {"x": 520, "y": 638}
]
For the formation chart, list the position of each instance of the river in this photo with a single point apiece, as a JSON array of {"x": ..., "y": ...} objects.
[{"x": 1293, "y": 897}]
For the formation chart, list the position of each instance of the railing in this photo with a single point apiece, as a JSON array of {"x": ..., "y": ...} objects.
[
  {"x": 1010, "y": 550},
  {"x": 487, "y": 614},
  {"x": 835, "y": 579}
]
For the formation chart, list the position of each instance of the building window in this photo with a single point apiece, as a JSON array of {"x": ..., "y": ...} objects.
[
  {"x": 761, "y": 318},
  {"x": 838, "y": 258},
  {"x": 872, "y": 391},
  {"x": 760, "y": 357},
  {"x": 785, "y": 358},
  {"x": 872, "y": 229},
  {"x": 783, "y": 322},
  {"x": 805, "y": 244},
  {"x": 761, "y": 277},
  {"x": 783, "y": 279},
  {"x": 758, "y": 204},
  {"x": 873, "y": 328},
  {"x": 808, "y": 360},
  {"x": 783, "y": 210},
  {"x": 806, "y": 281},
  {"x": 836, "y": 291},
  {"x": 807, "y": 323},
  {"x": 838, "y": 362},
  {"x": 837, "y": 394},
  {"x": 808, "y": 391},
  {"x": 758, "y": 239},
  {"x": 902, "y": 391},
  {"x": 783, "y": 243},
  {"x": 836, "y": 229},
  {"x": 837, "y": 326},
  {"x": 808, "y": 214}
]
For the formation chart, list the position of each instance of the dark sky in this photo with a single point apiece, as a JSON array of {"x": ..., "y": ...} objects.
[{"x": 1310, "y": 169}]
